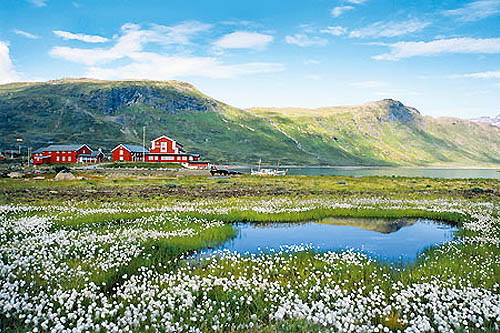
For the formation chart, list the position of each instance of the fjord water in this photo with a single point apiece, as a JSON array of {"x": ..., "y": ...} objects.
[
  {"x": 387, "y": 240},
  {"x": 390, "y": 171}
]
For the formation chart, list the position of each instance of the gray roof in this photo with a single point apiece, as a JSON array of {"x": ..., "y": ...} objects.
[
  {"x": 62, "y": 148},
  {"x": 96, "y": 153},
  {"x": 39, "y": 150},
  {"x": 133, "y": 148}
]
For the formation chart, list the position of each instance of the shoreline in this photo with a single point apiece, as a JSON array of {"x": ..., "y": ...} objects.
[{"x": 364, "y": 167}]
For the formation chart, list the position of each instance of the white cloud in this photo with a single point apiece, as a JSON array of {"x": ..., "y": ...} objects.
[
  {"x": 368, "y": 84},
  {"x": 160, "y": 67},
  {"x": 244, "y": 40},
  {"x": 140, "y": 64},
  {"x": 475, "y": 11},
  {"x": 402, "y": 50},
  {"x": 132, "y": 40},
  {"x": 337, "y": 11},
  {"x": 334, "y": 30},
  {"x": 389, "y": 29},
  {"x": 25, "y": 34},
  {"x": 245, "y": 23},
  {"x": 356, "y": 2},
  {"x": 38, "y": 3},
  {"x": 82, "y": 37},
  {"x": 304, "y": 40},
  {"x": 311, "y": 62},
  {"x": 481, "y": 75},
  {"x": 7, "y": 72}
]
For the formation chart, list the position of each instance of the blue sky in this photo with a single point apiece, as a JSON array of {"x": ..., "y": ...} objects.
[{"x": 442, "y": 57}]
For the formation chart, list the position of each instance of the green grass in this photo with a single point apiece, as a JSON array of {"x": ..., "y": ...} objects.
[
  {"x": 319, "y": 214},
  {"x": 458, "y": 265}
]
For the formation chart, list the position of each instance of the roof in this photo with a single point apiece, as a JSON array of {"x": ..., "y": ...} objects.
[
  {"x": 39, "y": 150},
  {"x": 166, "y": 137},
  {"x": 132, "y": 148},
  {"x": 96, "y": 153},
  {"x": 74, "y": 147}
]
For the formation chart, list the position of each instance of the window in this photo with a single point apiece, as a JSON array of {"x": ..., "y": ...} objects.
[
  {"x": 64, "y": 158},
  {"x": 69, "y": 158},
  {"x": 163, "y": 146},
  {"x": 57, "y": 158},
  {"x": 121, "y": 151}
]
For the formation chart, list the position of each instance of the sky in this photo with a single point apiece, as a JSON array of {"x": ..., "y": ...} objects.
[{"x": 442, "y": 57}]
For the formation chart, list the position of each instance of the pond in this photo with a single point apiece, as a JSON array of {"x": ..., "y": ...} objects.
[
  {"x": 388, "y": 240},
  {"x": 391, "y": 171}
]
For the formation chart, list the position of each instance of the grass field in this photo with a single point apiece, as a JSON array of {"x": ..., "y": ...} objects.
[{"x": 113, "y": 254}]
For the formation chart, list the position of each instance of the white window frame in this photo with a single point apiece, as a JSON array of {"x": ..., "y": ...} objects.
[{"x": 164, "y": 146}]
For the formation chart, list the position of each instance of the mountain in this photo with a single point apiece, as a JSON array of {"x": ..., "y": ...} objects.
[
  {"x": 105, "y": 113},
  {"x": 495, "y": 121}
]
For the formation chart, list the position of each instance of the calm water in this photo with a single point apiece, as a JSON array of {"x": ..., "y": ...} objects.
[
  {"x": 386, "y": 240},
  {"x": 400, "y": 172}
]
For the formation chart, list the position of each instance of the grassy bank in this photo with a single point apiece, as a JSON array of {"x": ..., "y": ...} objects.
[{"x": 112, "y": 254}]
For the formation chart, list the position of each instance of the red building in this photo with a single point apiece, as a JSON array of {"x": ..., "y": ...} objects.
[
  {"x": 163, "y": 150},
  {"x": 61, "y": 154},
  {"x": 128, "y": 153}
]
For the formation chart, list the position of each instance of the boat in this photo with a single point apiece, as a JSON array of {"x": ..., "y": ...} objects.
[{"x": 268, "y": 172}]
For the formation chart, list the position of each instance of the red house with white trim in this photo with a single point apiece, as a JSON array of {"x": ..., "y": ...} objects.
[
  {"x": 61, "y": 154},
  {"x": 128, "y": 153},
  {"x": 163, "y": 150}
]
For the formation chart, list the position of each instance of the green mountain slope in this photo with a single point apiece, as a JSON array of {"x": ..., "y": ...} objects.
[
  {"x": 391, "y": 132},
  {"x": 105, "y": 113}
]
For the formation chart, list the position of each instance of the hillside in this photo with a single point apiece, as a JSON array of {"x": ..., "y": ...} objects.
[
  {"x": 104, "y": 113},
  {"x": 389, "y": 131}
]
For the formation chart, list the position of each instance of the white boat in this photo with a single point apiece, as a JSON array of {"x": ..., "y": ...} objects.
[{"x": 268, "y": 172}]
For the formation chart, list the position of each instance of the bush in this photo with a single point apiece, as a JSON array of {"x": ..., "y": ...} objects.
[{"x": 171, "y": 185}]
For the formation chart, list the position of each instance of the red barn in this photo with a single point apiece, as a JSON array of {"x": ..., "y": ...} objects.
[
  {"x": 128, "y": 153},
  {"x": 60, "y": 154}
]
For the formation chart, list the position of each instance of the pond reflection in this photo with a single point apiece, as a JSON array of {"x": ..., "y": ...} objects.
[{"x": 383, "y": 239}]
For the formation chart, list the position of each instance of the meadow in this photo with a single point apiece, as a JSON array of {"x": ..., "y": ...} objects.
[{"x": 119, "y": 254}]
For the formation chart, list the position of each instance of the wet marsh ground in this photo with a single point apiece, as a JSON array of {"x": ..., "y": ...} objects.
[{"x": 111, "y": 254}]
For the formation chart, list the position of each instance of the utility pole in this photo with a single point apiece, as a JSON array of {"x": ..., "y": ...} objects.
[
  {"x": 29, "y": 153},
  {"x": 144, "y": 143},
  {"x": 19, "y": 140}
]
